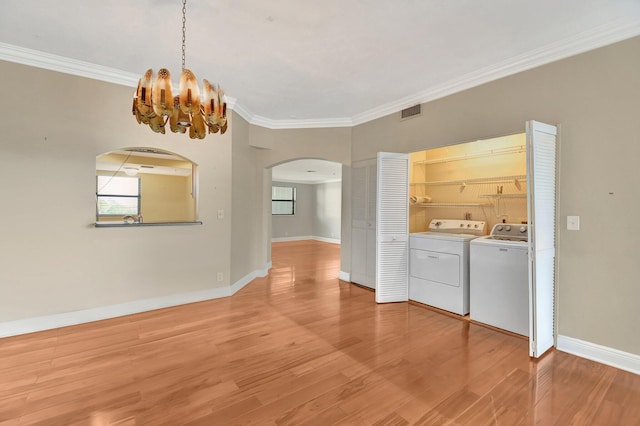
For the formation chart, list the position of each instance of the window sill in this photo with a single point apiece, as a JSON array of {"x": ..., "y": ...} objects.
[{"x": 121, "y": 224}]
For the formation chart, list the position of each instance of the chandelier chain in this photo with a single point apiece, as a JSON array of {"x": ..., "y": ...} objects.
[{"x": 184, "y": 30}]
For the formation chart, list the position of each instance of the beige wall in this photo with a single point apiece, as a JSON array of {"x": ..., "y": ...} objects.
[
  {"x": 248, "y": 244},
  {"x": 333, "y": 144},
  {"x": 593, "y": 97},
  {"x": 53, "y": 126},
  {"x": 166, "y": 198}
]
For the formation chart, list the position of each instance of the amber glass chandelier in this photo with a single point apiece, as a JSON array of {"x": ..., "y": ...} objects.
[{"x": 155, "y": 105}]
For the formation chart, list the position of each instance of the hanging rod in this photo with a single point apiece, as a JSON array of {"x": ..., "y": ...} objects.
[
  {"x": 453, "y": 204},
  {"x": 498, "y": 151},
  {"x": 494, "y": 179}
]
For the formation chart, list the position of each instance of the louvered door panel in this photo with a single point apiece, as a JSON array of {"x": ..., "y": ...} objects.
[
  {"x": 541, "y": 206},
  {"x": 392, "y": 228}
]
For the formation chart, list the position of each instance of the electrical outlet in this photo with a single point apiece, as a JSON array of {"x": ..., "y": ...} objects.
[
  {"x": 220, "y": 276},
  {"x": 220, "y": 215}
]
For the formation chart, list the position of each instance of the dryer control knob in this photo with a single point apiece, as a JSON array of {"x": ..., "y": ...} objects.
[
  {"x": 499, "y": 227},
  {"x": 476, "y": 225},
  {"x": 523, "y": 229},
  {"x": 462, "y": 225},
  {"x": 507, "y": 228}
]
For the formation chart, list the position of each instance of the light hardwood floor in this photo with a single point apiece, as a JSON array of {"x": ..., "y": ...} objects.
[{"x": 300, "y": 347}]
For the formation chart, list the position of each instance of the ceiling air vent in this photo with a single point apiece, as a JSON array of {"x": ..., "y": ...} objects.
[{"x": 410, "y": 112}]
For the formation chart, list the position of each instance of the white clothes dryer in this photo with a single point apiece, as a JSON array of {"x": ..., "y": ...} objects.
[{"x": 439, "y": 264}]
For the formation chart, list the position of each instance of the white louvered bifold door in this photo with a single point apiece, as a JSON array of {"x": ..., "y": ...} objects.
[
  {"x": 541, "y": 209},
  {"x": 392, "y": 228}
]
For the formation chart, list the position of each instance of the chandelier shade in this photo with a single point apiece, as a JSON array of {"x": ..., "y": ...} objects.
[{"x": 155, "y": 105}]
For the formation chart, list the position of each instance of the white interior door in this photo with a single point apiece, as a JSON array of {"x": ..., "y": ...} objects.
[
  {"x": 392, "y": 228},
  {"x": 359, "y": 224},
  {"x": 541, "y": 209},
  {"x": 363, "y": 235}
]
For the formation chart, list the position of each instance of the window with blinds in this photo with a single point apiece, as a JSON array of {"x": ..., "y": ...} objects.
[
  {"x": 118, "y": 195},
  {"x": 283, "y": 200}
]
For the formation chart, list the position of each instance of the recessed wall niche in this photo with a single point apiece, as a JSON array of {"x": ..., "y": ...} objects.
[{"x": 142, "y": 186}]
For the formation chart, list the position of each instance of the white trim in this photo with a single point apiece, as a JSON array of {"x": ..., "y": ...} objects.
[
  {"x": 242, "y": 111},
  {"x": 265, "y": 270},
  {"x": 304, "y": 238},
  {"x": 583, "y": 42},
  {"x": 30, "y": 325},
  {"x": 35, "y": 58},
  {"x": 301, "y": 124},
  {"x": 285, "y": 239},
  {"x": 258, "y": 273},
  {"x": 344, "y": 276},
  {"x": 327, "y": 240},
  {"x": 602, "y": 354},
  {"x": 47, "y": 322}
]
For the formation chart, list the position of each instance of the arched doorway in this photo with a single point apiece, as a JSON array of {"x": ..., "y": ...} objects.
[{"x": 306, "y": 200}]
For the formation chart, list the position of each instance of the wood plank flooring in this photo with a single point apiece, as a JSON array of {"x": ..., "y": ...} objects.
[{"x": 300, "y": 347}]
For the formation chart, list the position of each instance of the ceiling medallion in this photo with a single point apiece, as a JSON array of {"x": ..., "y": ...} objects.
[{"x": 155, "y": 105}]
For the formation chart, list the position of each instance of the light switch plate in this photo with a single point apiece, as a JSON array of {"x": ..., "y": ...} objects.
[
  {"x": 573, "y": 223},
  {"x": 220, "y": 214}
]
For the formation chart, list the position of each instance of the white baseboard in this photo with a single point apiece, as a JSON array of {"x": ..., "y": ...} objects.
[
  {"x": 48, "y": 322},
  {"x": 602, "y": 354},
  {"x": 306, "y": 237},
  {"x": 344, "y": 276},
  {"x": 327, "y": 240},
  {"x": 265, "y": 269},
  {"x": 284, "y": 239},
  {"x": 258, "y": 273}
]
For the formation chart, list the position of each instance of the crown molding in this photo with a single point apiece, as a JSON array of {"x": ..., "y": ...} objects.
[
  {"x": 261, "y": 121},
  {"x": 35, "y": 58},
  {"x": 48, "y": 61},
  {"x": 301, "y": 124},
  {"x": 583, "y": 42}
]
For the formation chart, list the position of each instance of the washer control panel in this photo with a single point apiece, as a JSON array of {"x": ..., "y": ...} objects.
[
  {"x": 510, "y": 231},
  {"x": 452, "y": 226}
]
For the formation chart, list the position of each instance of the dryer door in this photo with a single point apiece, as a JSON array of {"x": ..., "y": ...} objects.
[{"x": 443, "y": 268}]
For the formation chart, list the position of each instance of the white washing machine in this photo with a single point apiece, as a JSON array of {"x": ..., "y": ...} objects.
[
  {"x": 439, "y": 264},
  {"x": 500, "y": 278}
]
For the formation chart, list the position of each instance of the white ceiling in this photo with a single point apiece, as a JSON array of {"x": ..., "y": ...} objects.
[
  {"x": 291, "y": 63},
  {"x": 310, "y": 171}
]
